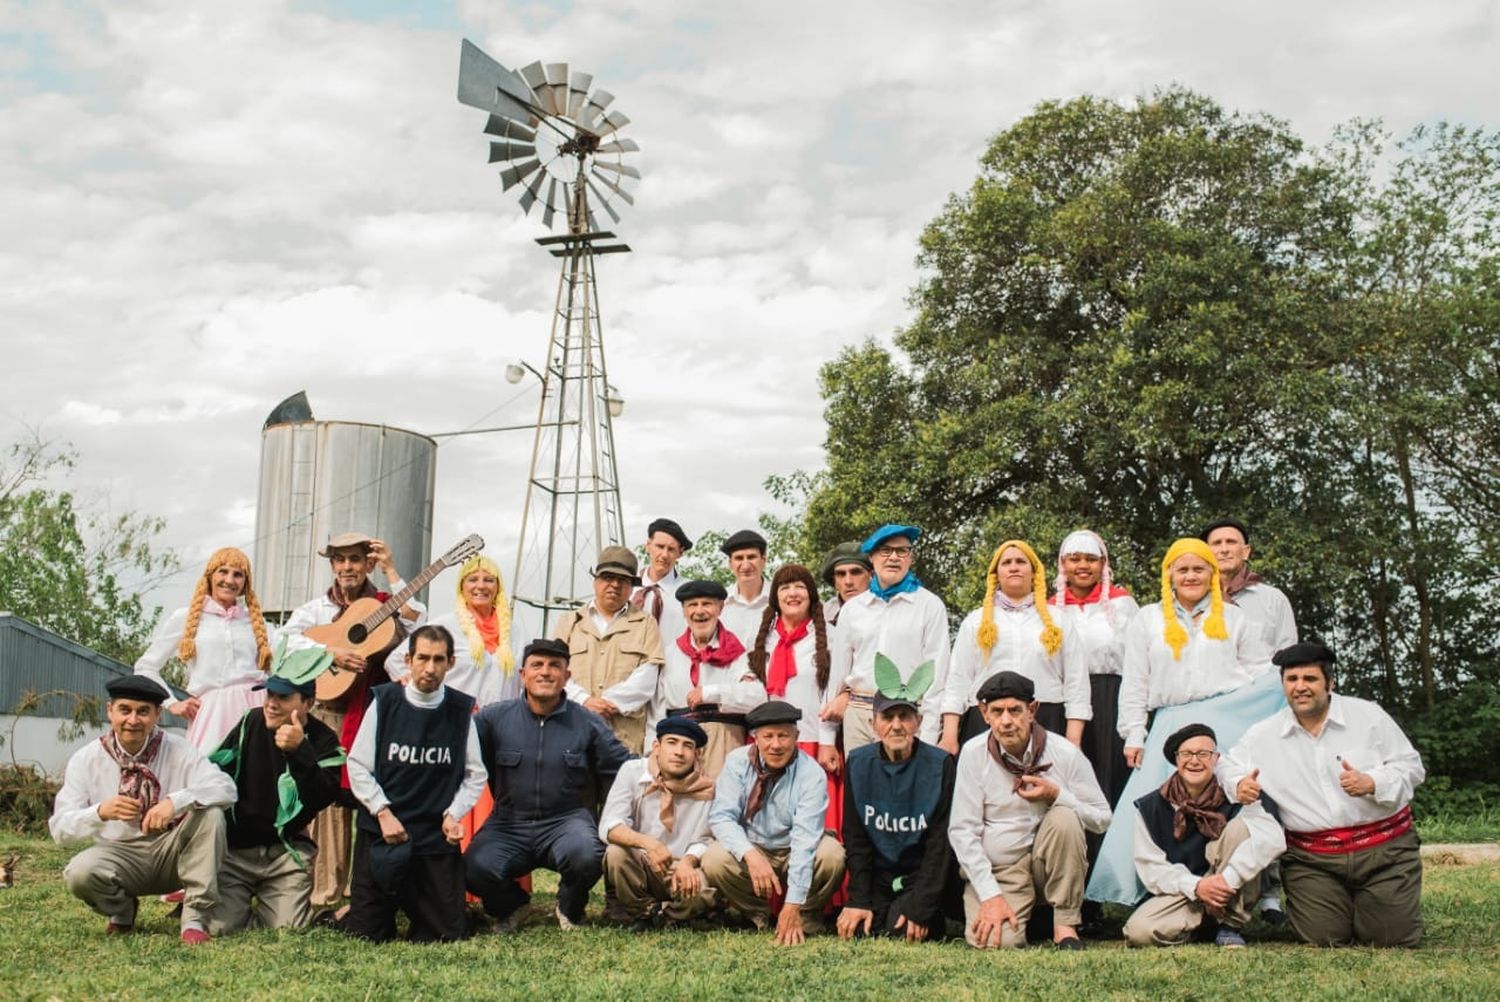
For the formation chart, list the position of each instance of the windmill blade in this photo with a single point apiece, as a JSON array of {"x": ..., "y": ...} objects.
[
  {"x": 506, "y": 128},
  {"x": 578, "y": 93},
  {"x": 620, "y": 146},
  {"x": 624, "y": 169},
  {"x": 511, "y": 176},
  {"x": 568, "y": 202},
  {"x": 557, "y": 87},
  {"x": 599, "y": 197},
  {"x": 536, "y": 79},
  {"x": 614, "y": 120},
  {"x": 593, "y": 222},
  {"x": 595, "y": 108},
  {"x": 489, "y": 86},
  {"x": 510, "y": 151},
  {"x": 614, "y": 186},
  {"x": 551, "y": 207},
  {"x": 532, "y": 193}
]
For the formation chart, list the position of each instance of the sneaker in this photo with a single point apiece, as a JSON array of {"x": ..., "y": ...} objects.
[
  {"x": 513, "y": 922},
  {"x": 194, "y": 937},
  {"x": 1229, "y": 938},
  {"x": 564, "y": 923}
]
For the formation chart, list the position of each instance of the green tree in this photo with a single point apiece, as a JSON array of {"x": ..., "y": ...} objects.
[{"x": 75, "y": 571}]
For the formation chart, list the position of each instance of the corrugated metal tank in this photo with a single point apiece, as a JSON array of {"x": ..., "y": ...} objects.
[{"x": 321, "y": 478}]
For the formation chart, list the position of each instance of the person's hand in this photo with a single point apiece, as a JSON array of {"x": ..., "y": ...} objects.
[
  {"x": 687, "y": 879},
  {"x": 391, "y": 828},
  {"x": 1247, "y": 791},
  {"x": 695, "y": 696},
  {"x": 851, "y": 920},
  {"x": 658, "y": 856},
  {"x": 120, "y": 808},
  {"x": 1354, "y": 782},
  {"x": 601, "y": 706},
  {"x": 453, "y": 830},
  {"x": 789, "y": 926},
  {"x": 1134, "y": 756},
  {"x": 1214, "y": 891},
  {"x": 994, "y": 915},
  {"x": 828, "y": 758},
  {"x": 380, "y": 556},
  {"x": 914, "y": 933},
  {"x": 159, "y": 817},
  {"x": 346, "y": 659},
  {"x": 187, "y": 709},
  {"x": 834, "y": 711},
  {"x": 762, "y": 875},
  {"x": 290, "y": 735},
  {"x": 1038, "y": 790}
]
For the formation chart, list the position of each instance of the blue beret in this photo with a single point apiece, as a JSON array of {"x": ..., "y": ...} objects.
[{"x": 887, "y": 531}]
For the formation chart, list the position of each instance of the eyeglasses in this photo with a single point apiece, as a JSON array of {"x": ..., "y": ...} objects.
[
  {"x": 1201, "y": 756},
  {"x": 893, "y": 551}
]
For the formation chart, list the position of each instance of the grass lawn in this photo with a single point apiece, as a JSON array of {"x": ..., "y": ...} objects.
[{"x": 51, "y": 946}]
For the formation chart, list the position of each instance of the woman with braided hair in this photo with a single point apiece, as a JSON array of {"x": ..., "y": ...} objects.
[
  {"x": 1015, "y": 630},
  {"x": 220, "y": 637}
]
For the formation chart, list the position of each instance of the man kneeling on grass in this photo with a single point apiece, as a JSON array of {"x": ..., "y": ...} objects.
[
  {"x": 656, "y": 825},
  {"x": 1198, "y": 852},
  {"x": 154, "y": 806},
  {"x": 767, "y": 817}
]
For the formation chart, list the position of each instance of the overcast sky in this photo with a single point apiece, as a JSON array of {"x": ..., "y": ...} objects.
[{"x": 205, "y": 207}]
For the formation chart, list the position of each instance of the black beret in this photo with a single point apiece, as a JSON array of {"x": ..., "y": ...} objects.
[
  {"x": 701, "y": 589},
  {"x": 1225, "y": 523},
  {"x": 745, "y": 539},
  {"x": 1007, "y": 685},
  {"x": 135, "y": 687},
  {"x": 543, "y": 645},
  {"x": 672, "y": 529},
  {"x": 773, "y": 712},
  {"x": 1182, "y": 734},
  {"x": 1306, "y": 653},
  {"x": 684, "y": 726}
]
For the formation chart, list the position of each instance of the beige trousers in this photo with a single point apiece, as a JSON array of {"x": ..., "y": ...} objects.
[
  {"x": 262, "y": 888},
  {"x": 1171, "y": 919},
  {"x": 1056, "y": 863},
  {"x": 638, "y": 887},
  {"x": 330, "y": 831},
  {"x": 731, "y": 878},
  {"x": 859, "y": 728},
  {"x": 110, "y": 876},
  {"x": 722, "y": 739}
]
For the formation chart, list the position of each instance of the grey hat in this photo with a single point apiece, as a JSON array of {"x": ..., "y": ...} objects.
[
  {"x": 345, "y": 539},
  {"x": 618, "y": 560},
  {"x": 844, "y": 553}
]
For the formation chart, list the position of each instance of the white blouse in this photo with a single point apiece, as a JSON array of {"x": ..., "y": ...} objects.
[
  {"x": 485, "y": 680},
  {"x": 226, "y": 652},
  {"x": 1059, "y": 678},
  {"x": 734, "y": 687},
  {"x": 1101, "y": 636},
  {"x": 802, "y": 689}
]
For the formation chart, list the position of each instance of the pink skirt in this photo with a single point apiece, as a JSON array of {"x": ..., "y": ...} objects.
[{"x": 219, "y": 710}]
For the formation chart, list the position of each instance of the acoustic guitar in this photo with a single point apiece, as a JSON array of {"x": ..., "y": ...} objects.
[{"x": 368, "y": 626}]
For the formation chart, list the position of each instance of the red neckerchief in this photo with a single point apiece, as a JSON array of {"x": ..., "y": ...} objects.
[
  {"x": 783, "y": 660},
  {"x": 719, "y": 655},
  {"x": 1029, "y": 764},
  {"x": 1202, "y": 810},
  {"x": 1115, "y": 591}
]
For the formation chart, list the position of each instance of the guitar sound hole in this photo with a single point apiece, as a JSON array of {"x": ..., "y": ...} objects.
[{"x": 358, "y": 633}]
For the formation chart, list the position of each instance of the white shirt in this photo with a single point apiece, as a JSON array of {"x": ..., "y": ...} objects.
[
  {"x": 187, "y": 778},
  {"x": 1253, "y": 855},
  {"x": 1058, "y": 678},
  {"x": 802, "y": 689},
  {"x": 910, "y": 629},
  {"x": 672, "y": 621},
  {"x": 321, "y": 611},
  {"x": 1270, "y": 611},
  {"x": 630, "y": 805},
  {"x": 636, "y": 690},
  {"x": 226, "y": 653},
  {"x": 743, "y": 617},
  {"x": 1301, "y": 772},
  {"x": 1101, "y": 636},
  {"x": 362, "y": 759},
  {"x": 1207, "y": 667},
  {"x": 485, "y": 680},
  {"x": 990, "y": 825},
  {"x": 734, "y": 687}
]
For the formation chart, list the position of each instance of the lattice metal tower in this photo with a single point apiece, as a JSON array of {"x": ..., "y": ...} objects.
[{"x": 554, "y": 136}]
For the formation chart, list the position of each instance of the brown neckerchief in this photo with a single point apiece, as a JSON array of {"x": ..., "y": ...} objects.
[
  {"x": 137, "y": 781},
  {"x": 766, "y": 779},
  {"x": 1028, "y": 764},
  {"x": 1237, "y": 582},
  {"x": 1202, "y": 810},
  {"x": 694, "y": 786}
]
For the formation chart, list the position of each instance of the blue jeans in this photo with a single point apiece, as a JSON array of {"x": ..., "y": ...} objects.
[{"x": 506, "y": 849}]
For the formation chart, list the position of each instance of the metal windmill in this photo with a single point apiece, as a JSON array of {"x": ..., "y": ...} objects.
[{"x": 559, "y": 146}]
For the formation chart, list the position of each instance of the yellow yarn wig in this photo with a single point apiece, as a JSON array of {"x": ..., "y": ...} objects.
[
  {"x": 228, "y": 556},
  {"x": 1051, "y": 637},
  {"x": 1213, "y": 627},
  {"x": 504, "y": 656}
]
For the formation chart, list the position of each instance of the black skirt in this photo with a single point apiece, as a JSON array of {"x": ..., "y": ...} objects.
[{"x": 1102, "y": 744}]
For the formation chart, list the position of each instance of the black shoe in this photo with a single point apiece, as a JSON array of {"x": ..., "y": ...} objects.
[
  {"x": 643, "y": 924},
  {"x": 1273, "y": 916},
  {"x": 1071, "y": 943}
]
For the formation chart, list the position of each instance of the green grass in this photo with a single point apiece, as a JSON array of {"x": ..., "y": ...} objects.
[
  {"x": 52, "y": 946},
  {"x": 1469, "y": 826}
]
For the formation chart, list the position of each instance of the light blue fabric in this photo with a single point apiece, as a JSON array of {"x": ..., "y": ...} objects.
[
  {"x": 1230, "y": 714},
  {"x": 906, "y": 584},
  {"x": 791, "y": 817}
]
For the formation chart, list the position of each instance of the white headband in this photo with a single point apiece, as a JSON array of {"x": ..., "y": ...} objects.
[{"x": 1082, "y": 541}]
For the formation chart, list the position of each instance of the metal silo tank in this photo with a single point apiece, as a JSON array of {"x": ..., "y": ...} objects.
[{"x": 320, "y": 478}]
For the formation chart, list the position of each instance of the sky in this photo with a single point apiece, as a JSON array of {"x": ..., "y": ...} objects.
[{"x": 207, "y": 207}]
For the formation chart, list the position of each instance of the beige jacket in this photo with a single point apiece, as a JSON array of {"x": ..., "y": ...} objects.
[{"x": 621, "y": 666}]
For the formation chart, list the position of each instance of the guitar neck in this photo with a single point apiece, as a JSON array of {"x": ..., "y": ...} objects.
[{"x": 396, "y": 601}]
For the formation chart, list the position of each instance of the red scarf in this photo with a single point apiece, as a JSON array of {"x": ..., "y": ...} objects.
[
  {"x": 783, "y": 660},
  {"x": 489, "y": 629},
  {"x": 720, "y": 656},
  {"x": 1115, "y": 591},
  {"x": 137, "y": 781}
]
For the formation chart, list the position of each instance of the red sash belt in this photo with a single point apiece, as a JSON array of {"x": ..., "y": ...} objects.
[{"x": 1338, "y": 841}]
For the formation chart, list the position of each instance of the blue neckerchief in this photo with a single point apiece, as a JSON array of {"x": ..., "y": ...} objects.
[
  {"x": 1186, "y": 618},
  {"x": 908, "y": 583}
]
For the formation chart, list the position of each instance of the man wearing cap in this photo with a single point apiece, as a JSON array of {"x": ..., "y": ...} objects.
[
  {"x": 1199, "y": 853},
  {"x": 1264, "y": 605},
  {"x": 746, "y": 552},
  {"x": 767, "y": 818},
  {"x": 542, "y": 752},
  {"x": 897, "y": 796},
  {"x": 707, "y": 676},
  {"x": 665, "y": 545},
  {"x": 896, "y": 617},
  {"x": 415, "y": 769},
  {"x": 615, "y": 650},
  {"x": 1342, "y": 775},
  {"x": 154, "y": 807},
  {"x": 281, "y": 760},
  {"x": 1022, "y": 801},
  {"x": 655, "y": 824},
  {"x": 352, "y": 556},
  {"x": 847, "y": 570}
]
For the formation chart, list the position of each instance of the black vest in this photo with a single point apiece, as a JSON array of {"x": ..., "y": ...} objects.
[
  {"x": 895, "y": 802},
  {"x": 419, "y": 763},
  {"x": 1192, "y": 851}
]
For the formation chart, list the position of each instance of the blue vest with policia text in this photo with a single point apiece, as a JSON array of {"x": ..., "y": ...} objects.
[{"x": 419, "y": 763}]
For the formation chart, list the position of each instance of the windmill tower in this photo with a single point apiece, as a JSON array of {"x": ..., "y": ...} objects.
[{"x": 558, "y": 146}]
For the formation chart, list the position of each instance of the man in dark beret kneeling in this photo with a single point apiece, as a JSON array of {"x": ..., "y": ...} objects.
[
  {"x": 1199, "y": 853},
  {"x": 767, "y": 817}
]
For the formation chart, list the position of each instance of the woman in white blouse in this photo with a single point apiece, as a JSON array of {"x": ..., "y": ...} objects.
[{"x": 220, "y": 637}]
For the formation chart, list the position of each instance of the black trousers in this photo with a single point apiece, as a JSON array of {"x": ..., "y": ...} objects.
[{"x": 432, "y": 896}]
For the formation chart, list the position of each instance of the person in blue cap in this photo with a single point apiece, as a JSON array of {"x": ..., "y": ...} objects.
[{"x": 896, "y": 617}]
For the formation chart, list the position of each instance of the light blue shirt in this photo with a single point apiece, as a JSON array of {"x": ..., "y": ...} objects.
[{"x": 792, "y": 815}]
